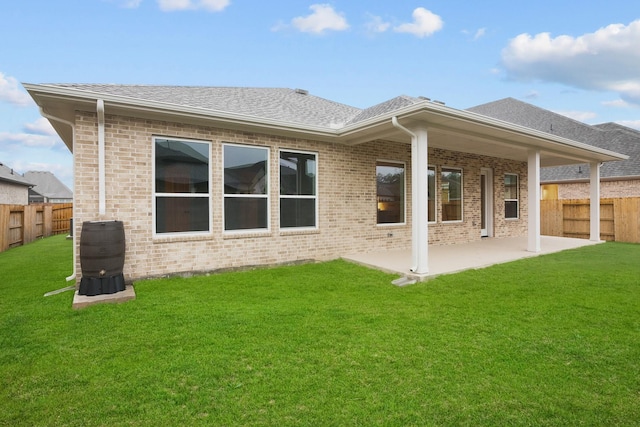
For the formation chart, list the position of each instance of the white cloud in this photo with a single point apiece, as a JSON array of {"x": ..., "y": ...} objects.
[
  {"x": 425, "y": 23},
  {"x": 376, "y": 24},
  {"x": 210, "y": 5},
  {"x": 40, "y": 127},
  {"x": 131, "y": 4},
  {"x": 29, "y": 139},
  {"x": 532, "y": 94},
  {"x": 323, "y": 18},
  {"x": 581, "y": 116},
  {"x": 617, "y": 103},
  {"x": 635, "y": 124},
  {"x": 480, "y": 33},
  {"x": 127, "y": 4},
  {"x": 12, "y": 92},
  {"x": 607, "y": 59}
]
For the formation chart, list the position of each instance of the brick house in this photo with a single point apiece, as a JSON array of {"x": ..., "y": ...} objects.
[
  {"x": 47, "y": 188},
  {"x": 210, "y": 178},
  {"x": 14, "y": 188},
  {"x": 617, "y": 179}
]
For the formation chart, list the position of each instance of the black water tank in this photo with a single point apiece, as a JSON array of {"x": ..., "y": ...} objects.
[{"x": 102, "y": 247}]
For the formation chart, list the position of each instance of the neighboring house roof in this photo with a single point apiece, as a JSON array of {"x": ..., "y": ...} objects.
[
  {"x": 9, "y": 175},
  {"x": 47, "y": 185},
  {"x": 610, "y": 136},
  {"x": 295, "y": 113}
]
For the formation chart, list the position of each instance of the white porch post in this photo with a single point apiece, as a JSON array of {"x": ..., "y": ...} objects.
[
  {"x": 533, "y": 163},
  {"x": 595, "y": 202},
  {"x": 420, "y": 201}
]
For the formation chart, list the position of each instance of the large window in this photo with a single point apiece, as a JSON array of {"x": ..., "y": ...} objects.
[
  {"x": 246, "y": 188},
  {"x": 432, "y": 193},
  {"x": 451, "y": 194},
  {"x": 390, "y": 192},
  {"x": 511, "y": 196},
  {"x": 181, "y": 186},
  {"x": 298, "y": 178}
]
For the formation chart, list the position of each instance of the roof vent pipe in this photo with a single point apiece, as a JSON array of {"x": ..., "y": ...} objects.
[{"x": 302, "y": 92}]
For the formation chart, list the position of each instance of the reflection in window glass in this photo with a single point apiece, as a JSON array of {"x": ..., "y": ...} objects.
[
  {"x": 390, "y": 192},
  {"x": 451, "y": 194},
  {"x": 297, "y": 189},
  {"x": 432, "y": 194},
  {"x": 245, "y": 187},
  {"x": 511, "y": 196},
  {"x": 181, "y": 186}
]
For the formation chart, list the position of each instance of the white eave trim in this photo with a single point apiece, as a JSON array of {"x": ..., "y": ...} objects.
[
  {"x": 129, "y": 103},
  {"x": 341, "y": 134}
]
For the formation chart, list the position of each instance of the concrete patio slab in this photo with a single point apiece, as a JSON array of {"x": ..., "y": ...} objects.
[
  {"x": 454, "y": 258},
  {"x": 82, "y": 301}
]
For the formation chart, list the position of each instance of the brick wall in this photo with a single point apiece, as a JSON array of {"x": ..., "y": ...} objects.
[
  {"x": 608, "y": 189},
  {"x": 346, "y": 199}
]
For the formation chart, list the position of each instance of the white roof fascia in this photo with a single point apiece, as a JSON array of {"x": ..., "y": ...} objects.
[
  {"x": 454, "y": 114},
  {"x": 130, "y": 103},
  {"x": 343, "y": 133}
]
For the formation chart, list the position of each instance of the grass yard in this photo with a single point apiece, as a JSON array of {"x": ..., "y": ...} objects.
[{"x": 546, "y": 341}]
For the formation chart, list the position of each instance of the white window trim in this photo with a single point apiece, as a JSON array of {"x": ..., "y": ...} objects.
[
  {"x": 154, "y": 195},
  {"x": 461, "y": 193},
  {"x": 435, "y": 196},
  {"x": 257, "y": 196},
  {"x": 315, "y": 197},
  {"x": 404, "y": 197},
  {"x": 517, "y": 200}
]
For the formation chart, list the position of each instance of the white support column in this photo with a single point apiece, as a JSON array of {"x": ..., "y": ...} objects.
[
  {"x": 594, "y": 216},
  {"x": 533, "y": 192},
  {"x": 420, "y": 201}
]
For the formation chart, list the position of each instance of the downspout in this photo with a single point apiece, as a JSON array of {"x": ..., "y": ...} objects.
[
  {"x": 414, "y": 185},
  {"x": 73, "y": 145},
  {"x": 102, "y": 204}
]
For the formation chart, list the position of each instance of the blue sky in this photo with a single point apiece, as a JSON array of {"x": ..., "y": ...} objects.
[{"x": 578, "y": 58}]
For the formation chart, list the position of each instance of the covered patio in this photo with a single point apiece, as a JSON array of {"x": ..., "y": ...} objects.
[{"x": 448, "y": 259}]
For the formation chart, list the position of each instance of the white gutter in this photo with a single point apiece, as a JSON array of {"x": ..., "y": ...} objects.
[
  {"x": 414, "y": 185},
  {"x": 119, "y": 101},
  {"x": 102, "y": 205},
  {"x": 73, "y": 142}
]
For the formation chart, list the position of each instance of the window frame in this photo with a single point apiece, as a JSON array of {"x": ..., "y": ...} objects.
[
  {"x": 266, "y": 196},
  {"x": 516, "y": 200},
  {"x": 435, "y": 195},
  {"x": 156, "y": 195},
  {"x": 300, "y": 197},
  {"x": 404, "y": 192},
  {"x": 461, "y": 170}
]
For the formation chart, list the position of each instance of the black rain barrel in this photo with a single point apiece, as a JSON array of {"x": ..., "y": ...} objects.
[{"x": 102, "y": 249}]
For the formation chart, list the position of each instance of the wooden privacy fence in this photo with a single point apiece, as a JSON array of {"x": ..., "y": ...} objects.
[
  {"x": 20, "y": 224},
  {"x": 619, "y": 218}
]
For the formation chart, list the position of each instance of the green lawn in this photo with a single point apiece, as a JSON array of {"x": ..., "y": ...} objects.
[{"x": 552, "y": 340}]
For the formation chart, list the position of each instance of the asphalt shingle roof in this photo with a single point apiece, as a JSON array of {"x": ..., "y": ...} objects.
[
  {"x": 610, "y": 136},
  {"x": 385, "y": 107},
  {"x": 9, "y": 175},
  {"x": 282, "y": 104},
  {"x": 46, "y": 184}
]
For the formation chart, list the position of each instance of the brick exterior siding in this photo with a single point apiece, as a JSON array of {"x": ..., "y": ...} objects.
[
  {"x": 346, "y": 199},
  {"x": 608, "y": 189}
]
